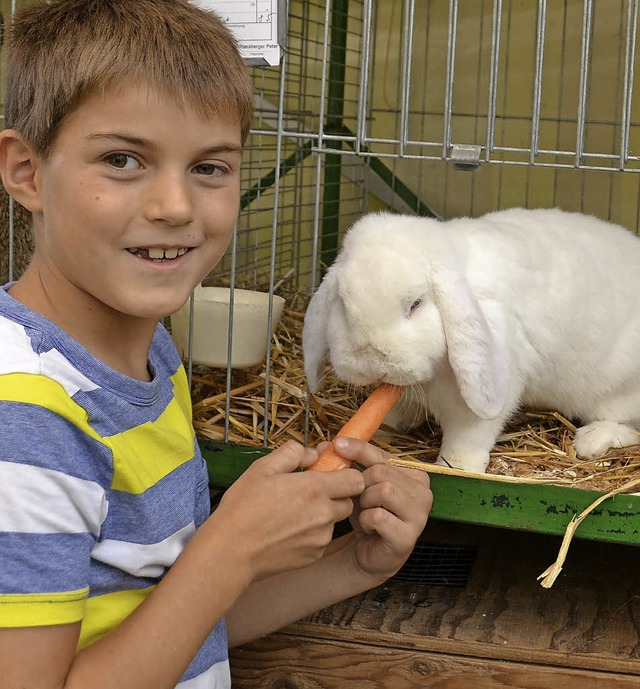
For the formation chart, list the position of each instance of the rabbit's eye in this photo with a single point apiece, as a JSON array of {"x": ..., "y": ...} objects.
[{"x": 416, "y": 304}]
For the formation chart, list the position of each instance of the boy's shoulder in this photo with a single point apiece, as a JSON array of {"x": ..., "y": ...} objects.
[
  {"x": 25, "y": 338},
  {"x": 31, "y": 344}
]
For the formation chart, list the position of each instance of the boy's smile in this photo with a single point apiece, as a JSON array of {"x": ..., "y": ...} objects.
[{"x": 135, "y": 204}]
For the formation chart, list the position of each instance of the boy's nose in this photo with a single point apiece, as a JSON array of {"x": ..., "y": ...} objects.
[{"x": 168, "y": 199}]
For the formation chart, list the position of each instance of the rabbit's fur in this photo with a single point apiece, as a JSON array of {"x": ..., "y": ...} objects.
[{"x": 539, "y": 308}]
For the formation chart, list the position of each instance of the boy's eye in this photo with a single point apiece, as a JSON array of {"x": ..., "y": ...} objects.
[
  {"x": 122, "y": 161},
  {"x": 210, "y": 170}
]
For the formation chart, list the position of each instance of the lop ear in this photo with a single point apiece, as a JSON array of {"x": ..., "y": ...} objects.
[
  {"x": 477, "y": 358},
  {"x": 315, "y": 342}
]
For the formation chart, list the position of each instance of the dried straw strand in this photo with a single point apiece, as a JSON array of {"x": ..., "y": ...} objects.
[{"x": 549, "y": 576}]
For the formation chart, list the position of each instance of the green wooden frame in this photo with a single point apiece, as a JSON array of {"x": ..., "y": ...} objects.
[{"x": 523, "y": 507}]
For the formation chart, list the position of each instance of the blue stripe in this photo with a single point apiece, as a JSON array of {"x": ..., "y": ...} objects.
[
  {"x": 44, "y": 563},
  {"x": 214, "y": 650},
  {"x": 33, "y": 435},
  {"x": 108, "y": 579},
  {"x": 111, "y": 414},
  {"x": 154, "y": 515}
]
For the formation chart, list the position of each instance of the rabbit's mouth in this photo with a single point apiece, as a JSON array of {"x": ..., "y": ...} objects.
[{"x": 366, "y": 378}]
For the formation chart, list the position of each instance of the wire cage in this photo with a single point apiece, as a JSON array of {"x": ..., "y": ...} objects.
[
  {"x": 439, "y": 108},
  {"x": 389, "y": 104},
  {"x": 442, "y": 108}
]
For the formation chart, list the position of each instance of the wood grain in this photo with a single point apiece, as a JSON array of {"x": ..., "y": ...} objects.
[
  {"x": 502, "y": 630},
  {"x": 284, "y": 661}
]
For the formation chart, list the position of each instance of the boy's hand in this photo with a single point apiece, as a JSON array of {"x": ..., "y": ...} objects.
[
  {"x": 274, "y": 518},
  {"x": 390, "y": 513}
]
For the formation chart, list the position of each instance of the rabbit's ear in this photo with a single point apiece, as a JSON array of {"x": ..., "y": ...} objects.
[
  {"x": 478, "y": 360},
  {"x": 315, "y": 343}
]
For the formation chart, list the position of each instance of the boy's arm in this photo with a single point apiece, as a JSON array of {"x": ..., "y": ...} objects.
[
  {"x": 244, "y": 540},
  {"x": 150, "y": 649},
  {"x": 390, "y": 515}
]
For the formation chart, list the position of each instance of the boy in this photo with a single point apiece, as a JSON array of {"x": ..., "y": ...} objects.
[{"x": 125, "y": 124}]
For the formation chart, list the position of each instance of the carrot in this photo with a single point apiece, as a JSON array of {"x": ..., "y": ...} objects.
[{"x": 362, "y": 425}]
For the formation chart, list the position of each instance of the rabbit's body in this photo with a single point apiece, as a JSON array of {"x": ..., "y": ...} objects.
[{"x": 480, "y": 316}]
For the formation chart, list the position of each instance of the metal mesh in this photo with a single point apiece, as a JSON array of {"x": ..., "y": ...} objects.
[
  {"x": 383, "y": 104},
  {"x": 438, "y": 565}
]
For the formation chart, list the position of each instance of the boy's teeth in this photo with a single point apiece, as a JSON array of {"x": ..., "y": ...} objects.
[{"x": 160, "y": 254}]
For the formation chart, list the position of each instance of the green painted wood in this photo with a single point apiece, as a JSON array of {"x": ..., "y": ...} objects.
[
  {"x": 536, "y": 508},
  {"x": 226, "y": 463}
]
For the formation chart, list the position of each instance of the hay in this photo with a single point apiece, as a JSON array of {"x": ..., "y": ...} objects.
[{"x": 535, "y": 447}]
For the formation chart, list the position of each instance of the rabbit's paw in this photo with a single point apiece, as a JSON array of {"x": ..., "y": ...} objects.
[{"x": 594, "y": 439}]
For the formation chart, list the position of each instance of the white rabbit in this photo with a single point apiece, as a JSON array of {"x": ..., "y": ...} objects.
[{"x": 539, "y": 308}]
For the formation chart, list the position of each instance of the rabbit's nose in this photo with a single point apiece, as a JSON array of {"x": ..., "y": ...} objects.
[{"x": 372, "y": 362}]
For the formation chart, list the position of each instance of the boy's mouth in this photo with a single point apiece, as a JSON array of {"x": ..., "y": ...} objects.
[{"x": 157, "y": 254}]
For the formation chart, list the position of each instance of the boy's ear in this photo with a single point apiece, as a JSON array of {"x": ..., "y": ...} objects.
[{"x": 19, "y": 169}]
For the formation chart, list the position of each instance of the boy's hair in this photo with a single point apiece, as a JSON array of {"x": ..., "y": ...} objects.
[{"x": 65, "y": 50}]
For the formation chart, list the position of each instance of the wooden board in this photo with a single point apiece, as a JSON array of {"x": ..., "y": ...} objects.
[
  {"x": 501, "y": 630},
  {"x": 290, "y": 661}
]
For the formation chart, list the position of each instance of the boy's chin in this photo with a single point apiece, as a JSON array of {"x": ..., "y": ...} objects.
[{"x": 154, "y": 309}]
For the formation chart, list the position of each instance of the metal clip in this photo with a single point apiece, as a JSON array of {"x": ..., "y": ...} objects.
[{"x": 465, "y": 156}]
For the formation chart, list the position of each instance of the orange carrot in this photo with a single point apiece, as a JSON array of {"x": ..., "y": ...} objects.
[{"x": 362, "y": 425}]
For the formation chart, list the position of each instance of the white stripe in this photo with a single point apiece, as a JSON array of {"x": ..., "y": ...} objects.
[
  {"x": 143, "y": 560},
  {"x": 37, "y": 500},
  {"x": 218, "y": 676},
  {"x": 56, "y": 366},
  {"x": 18, "y": 357},
  {"x": 17, "y": 354}
]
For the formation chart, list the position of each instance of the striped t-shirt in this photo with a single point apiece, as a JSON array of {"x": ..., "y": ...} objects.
[{"x": 101, "y": 484}]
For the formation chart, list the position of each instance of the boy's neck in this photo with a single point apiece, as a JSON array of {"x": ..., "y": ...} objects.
[{"x": 120, "y": 341}]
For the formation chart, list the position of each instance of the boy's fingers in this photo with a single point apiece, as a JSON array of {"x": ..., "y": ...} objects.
[
  {"x": 309, "y": 457},
  {"x": 345, "y": 483},
  {"x": 287, "y": 458},
  {"x": 358, "y": 451}
]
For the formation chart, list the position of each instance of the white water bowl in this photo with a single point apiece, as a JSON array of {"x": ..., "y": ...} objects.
[{"x": 211, "y": 326}]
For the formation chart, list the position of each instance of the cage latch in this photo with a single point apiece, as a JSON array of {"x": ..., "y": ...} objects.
[{"x": 465, "y": 156}]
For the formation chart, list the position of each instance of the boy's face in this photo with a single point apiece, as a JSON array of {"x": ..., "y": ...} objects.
[{"x": 138, "y": 201}]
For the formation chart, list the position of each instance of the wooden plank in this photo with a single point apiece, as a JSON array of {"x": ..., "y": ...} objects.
[
  {"x": 286, "y": 661},
  {"x": 535, "y": 507},
  {"x": 590, "y": 619}
]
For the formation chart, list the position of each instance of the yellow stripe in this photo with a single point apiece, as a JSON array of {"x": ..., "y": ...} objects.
[
  {"x": 31, "y": 388},
  {"x": 162, "y": 446},
  {"x": 39, "y": 609},
  {"x": 104, "y": 613}
]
